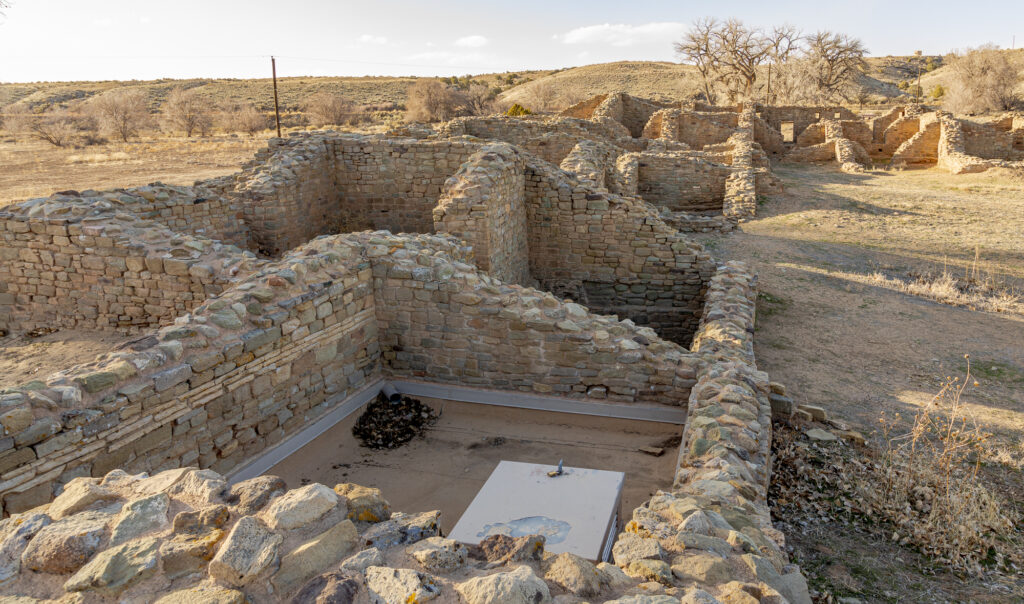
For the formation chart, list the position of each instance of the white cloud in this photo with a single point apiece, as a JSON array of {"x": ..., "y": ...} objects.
[
  {"x": 621, "y": 34},
  {"x": 371, "y": 39},
  {"x": 472, "y": 41}
]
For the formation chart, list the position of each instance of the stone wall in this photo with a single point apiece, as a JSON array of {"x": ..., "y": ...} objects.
[
  {"x": 484, "y": 204},
  {"x": 802, "y": 117},
  {"x": 923, "y": 147},
  {"x": 682, "y": 182},
  {"x": 988, "y": 142},
  {"x": 952, "y": 149},
  {"x": 613, "y": 254},
  {"x": 79, "y": 263}
]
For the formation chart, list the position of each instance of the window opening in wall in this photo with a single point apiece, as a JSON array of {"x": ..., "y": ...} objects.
[
  {"x": 838, "y": 115},
  {"x": 817, "y": 116},
  {"x": 788, "y": 132}
]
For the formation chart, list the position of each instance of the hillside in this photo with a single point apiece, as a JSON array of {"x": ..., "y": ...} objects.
[
  {"x": 646, "y": 79},
  {"x": 291, "y": 91}
]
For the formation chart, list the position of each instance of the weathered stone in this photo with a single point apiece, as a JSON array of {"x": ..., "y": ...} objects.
[
  {"x": 710, "y": 569},
  {"x": 300, "y": 506},
  {"x": 820, "y": 435},
  {"x": 203, "y": 594},
  {"x": 248, "y": 550},
  {"x": 574, "y": 574},
  {"x": 402, "y": 529},
  {"x": 364, "y": 503},
  {"x": 399, "y": 585},
  {"x": 188, "y": 553},
  {"x": 64, "y": 546},
  {"x": 644, "y": 599},
  {"x": 79, "y": 494},
  {"x": 139, "y": 517},
  {"x": 519, "y": 586},
  {"x": 249, "y": 496},
  {"x": 315, "y": 556},
  {"x": 115, "y": 569},
  {"x": 438, "y": 555},
  {"x": 203, "y": 520},
  {"x": 15, "y": 534},
  {"x": 328, "y": 588},
  {"x": 362, "y": 560},
  {"x": 612, "y": 576},
  {"x": 630, "y": 547},
  {"x": 650, "y": 570},
  {"x": 502, "y": 548},
  {"x": 199, "y": 488}
]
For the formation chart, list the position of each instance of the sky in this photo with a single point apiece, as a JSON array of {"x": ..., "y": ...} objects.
[{"x": 51, "y": 40}]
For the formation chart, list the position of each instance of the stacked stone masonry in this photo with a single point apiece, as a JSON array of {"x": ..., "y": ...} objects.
[{"x": 530, "y": 261}]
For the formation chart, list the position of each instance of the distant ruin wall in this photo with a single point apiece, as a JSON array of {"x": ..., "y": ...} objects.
[
  {"x": 682, "y": 183},
  {"x": 102, "y": 272}
]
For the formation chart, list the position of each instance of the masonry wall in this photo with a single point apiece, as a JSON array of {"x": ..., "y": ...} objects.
[
  {"x": 393, "y": 184},
  {"x": 484, "y": 204},
  {"x": 466, "y": 328},
  {"x": 613, "y": 254},
  {"x": 923, "y": 147},
  {"x": 245, "y": 371},
  {"x": 987, "y": 142},
  {"x": 802, "y": 117},
  {"x": 682, "y": 182},
  {"x": 101, "y": 273},
  {"x": 290, "y": 197}
]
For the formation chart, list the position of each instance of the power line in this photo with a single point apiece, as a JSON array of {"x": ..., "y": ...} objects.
[{"x": 295, "y": 58}]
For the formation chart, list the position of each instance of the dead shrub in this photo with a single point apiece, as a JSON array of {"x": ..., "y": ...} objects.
[
  {"x": 982, "y": 79},
  {"x": 927, "y": 485},
  {"x": 242, "y": 117},
  {"x": 185, "y": 111},
  {"x": 327, "y": 109},
  {"x": 57, "y": 126},
  {"x": 121, "y": 113},
  {"x": 432, "y": 101}
]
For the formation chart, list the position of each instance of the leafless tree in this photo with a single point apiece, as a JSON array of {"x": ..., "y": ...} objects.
[
  {"x": 741, "y": 51},
  {"x": 184, "y": 110},
  {"x": 837, "y": 61},
  {"x": 983, "y": 79},
  {"x": 56, "y": 127},
  {"x": 243, "y": 118},
  {"x": 328, "y": 109},
  {"x": 478, "y": 99},
  {"x": 699, "y": 47},
  {"x": 431, "y": 101},
  {"x": 121, "y": 112},
  {"x": 541, "y": 96}
]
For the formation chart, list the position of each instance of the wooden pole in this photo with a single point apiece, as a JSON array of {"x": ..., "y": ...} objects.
[{"x": 277, "y": 110}]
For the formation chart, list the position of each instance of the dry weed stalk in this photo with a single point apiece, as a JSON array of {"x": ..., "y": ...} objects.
[{"x": 930, "y": 488}]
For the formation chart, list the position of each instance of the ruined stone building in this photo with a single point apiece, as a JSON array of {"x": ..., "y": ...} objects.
[{"x": 542, "y": 259}]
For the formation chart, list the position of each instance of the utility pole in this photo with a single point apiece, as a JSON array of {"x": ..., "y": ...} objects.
[
  {"x": 277, "y": 110},
  {"x": 768, "y": 93}
]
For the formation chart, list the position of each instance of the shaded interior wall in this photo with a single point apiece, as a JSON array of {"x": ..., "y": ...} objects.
[
  {"x": 393, "y": 184},
  {"x": 812, "y": 135},
  {"x": 923, "y": 147},
  {"x": 858, "y": 131},
  {"x": 613, "y": 254},
  {"x": 585, "y": 109},
  {"x": 460, "y": 327},
  {"x": 484, "y": 204},
  {"x": 682, "y": 183},
  {"x": 988, "y": 142},
  {"x": 700, "y": 129},
  {"x": 636, "y": 112},
  {"x": 288, "y": 202},
  {"x": 71, "y": 273},
  {"x": 899, "y": 132}
]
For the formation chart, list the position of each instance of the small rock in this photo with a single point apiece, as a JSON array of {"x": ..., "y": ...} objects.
[
  {"x": 248, "y": 550},
  {"x": 201, "y": 521},
  {"x": 299, "y": 507},
  {"x": 328, "y": 588},
  {"x": 250, "y": 496},
  {"x": 402, "y": 529},
  {"x": 199, "y": 488},
  {"x": 313, "y": 557},
  {"x": 612, "y": 576},
  {"x": 203, "y": 594},
  {"x": 644, "y": 599},
  {"x": 817, "y": 413},
  {"x": 630, "y": 547},
  {"x": 438, "y": 555},
  {"x": 79, "y": 493},
  {"x": 188, "y": 553},
  {"x": 519, "y": 586},
  {"x": 501, "y": 549},
  {"x": 399, "y": 585},
  {"x": 650, "y": 570},
  {"x": 364, "y": 503},
  {"x": 366, "y": 558},
  {"x": 711, "y": 569},
  {"x": 139, "y": 517},
  {"x": 64, "y": 546},
  {"x": 652, "y": 451},
  {"x": 820, "y": 435},
  {"x": 17, "y": 532},
  {"x": 115, "y": 569},
  {"x": 575, "y": 575}
]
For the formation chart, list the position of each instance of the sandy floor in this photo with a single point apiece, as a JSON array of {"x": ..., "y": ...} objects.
[
  {"x": 445, "y": 468},
  {"x": 25, "y": 359}
]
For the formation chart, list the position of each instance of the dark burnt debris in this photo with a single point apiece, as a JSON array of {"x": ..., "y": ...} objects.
[{"x": 387, "y": 425}]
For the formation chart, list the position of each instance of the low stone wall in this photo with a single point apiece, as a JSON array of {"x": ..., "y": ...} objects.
[
  {"x": 80, "y": 263},
  {"x": 988, "y": 142},
  {"x": 802, "y": 117},
  {"x": 952, "y": 150},
  {"x": 923, "y": 147},
  {"x": 484, "y": 205}
]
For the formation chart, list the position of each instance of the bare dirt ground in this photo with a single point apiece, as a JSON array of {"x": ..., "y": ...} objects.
[
  {"x": 858, "y": 346},
  {"x": 37, "y": 169},
  {"x": 23, "y": 359},
  {"x": 444, "y": 468}
]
